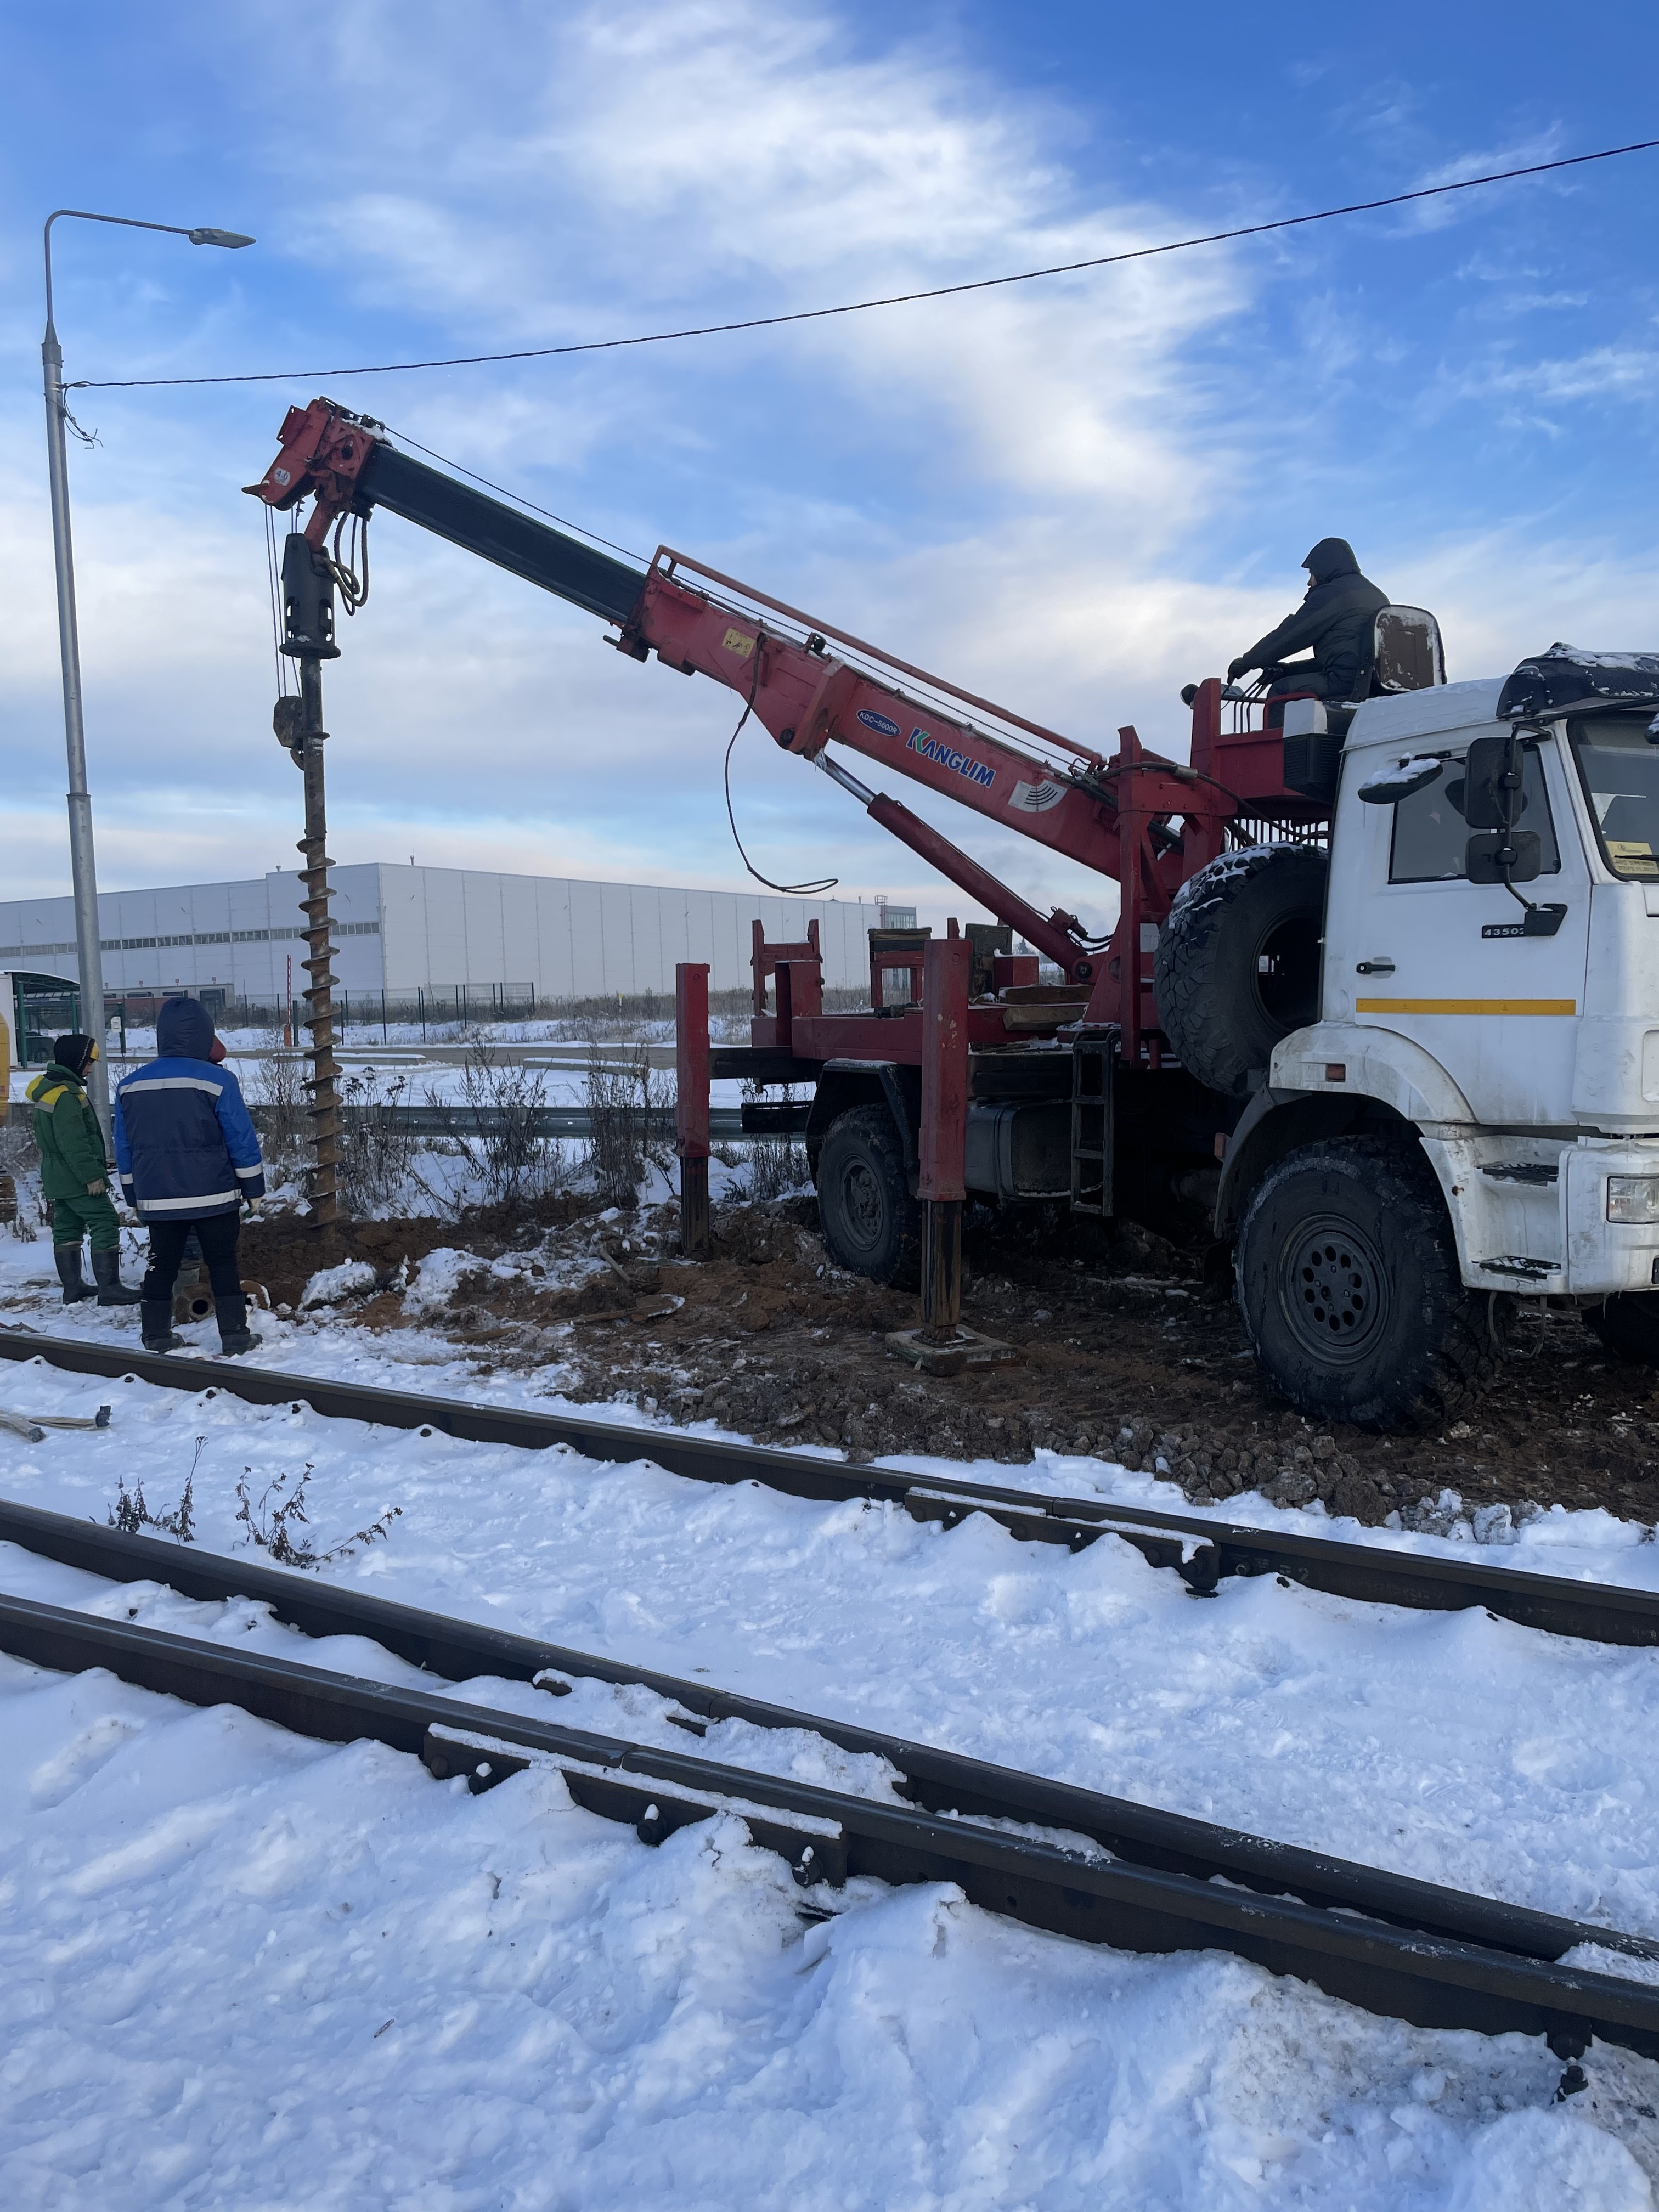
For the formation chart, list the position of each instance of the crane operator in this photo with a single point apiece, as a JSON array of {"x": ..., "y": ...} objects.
[{"x": 1336, "y": 618}]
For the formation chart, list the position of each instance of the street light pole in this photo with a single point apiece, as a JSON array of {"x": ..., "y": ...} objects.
[{"x": 83, "y": 871}]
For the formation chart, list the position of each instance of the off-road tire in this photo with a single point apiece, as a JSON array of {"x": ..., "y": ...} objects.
[
  {"x": 1349, "y": 1286},
  {"x": 1220, "y": 1006},
  {"x": 1628, "y": 1324},
  {"x": 871, "y": 1223}
]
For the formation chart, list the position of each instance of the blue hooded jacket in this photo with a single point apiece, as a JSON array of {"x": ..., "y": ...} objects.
[{"x": 183, "y": 1143}]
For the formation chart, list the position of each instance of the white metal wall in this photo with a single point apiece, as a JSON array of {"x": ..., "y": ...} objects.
[
  {"x": 575, "y": 940},
  {"x": 399, "y": 927},
  {"x": 237, "y": 937}
]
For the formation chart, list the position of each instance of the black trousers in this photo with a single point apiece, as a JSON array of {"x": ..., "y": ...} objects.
[
  {"x": 1299, "y": 679},
  {"x": 217, "y": 1236}
]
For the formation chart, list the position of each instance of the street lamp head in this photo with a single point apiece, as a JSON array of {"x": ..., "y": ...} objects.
[{"x": 206, "y": 236}]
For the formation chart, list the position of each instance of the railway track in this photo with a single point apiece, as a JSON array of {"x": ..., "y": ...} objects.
[
  {"x": 1055, "y": 1856},
  {"x": 1200, "y": 1550}
]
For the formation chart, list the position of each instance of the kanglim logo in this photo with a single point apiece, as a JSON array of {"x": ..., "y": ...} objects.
[{"x": 947, "y": 757}]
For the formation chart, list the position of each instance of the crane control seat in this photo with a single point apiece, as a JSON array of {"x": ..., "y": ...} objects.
[{"x": 1406, "y": 654}]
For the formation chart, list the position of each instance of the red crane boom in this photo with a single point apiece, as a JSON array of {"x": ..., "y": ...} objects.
[{"x": 1147, "y": 821}]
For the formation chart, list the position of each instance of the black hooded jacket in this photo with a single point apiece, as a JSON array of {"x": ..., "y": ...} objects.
[{"x": 1336, "y": 619}]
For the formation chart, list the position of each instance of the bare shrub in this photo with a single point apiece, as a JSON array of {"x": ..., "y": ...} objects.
[
  {"x": 777, "y": 1162},
  {"x": 497, "y": 1129},
  {"x": 377, "y": 1148},
  {"x": 777, "y": 1165},
  {"x": 132, "y": 1516},
  {"x": 279, "y": 1094},
  {"x": 273, "y": 1527},
  {"x": 628, "y": 1111}
]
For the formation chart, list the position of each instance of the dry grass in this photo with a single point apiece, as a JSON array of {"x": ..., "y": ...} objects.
[
  {"x": 622, "y": 1104},
  {"x": 278, "y": 1090},
  {"x": 495, "y": 1129},
  {"x": 376, "y": 1152},
  {"x": 275, "y": 1522}
]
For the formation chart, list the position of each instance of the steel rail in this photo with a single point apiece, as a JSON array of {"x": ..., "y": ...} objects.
[
  {"x": 1407, "y": 1971},
  {"x": 938, "y": 1780},
  {"x": 1200, "y": 1550}
]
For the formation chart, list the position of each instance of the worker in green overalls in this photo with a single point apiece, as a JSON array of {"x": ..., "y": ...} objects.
[{"x": 75, "y": 1176}]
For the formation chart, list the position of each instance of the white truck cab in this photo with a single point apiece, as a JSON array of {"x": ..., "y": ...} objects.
[{"x": 1502, "y": 1034}]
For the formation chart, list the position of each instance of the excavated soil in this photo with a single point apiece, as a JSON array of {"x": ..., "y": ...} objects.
[{"x": 1124, "y": 1353}]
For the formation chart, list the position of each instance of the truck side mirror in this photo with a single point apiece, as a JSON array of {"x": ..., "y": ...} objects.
[
  {"x": 1503, "y": 856},
  {"x": 1492, "y": 796}
]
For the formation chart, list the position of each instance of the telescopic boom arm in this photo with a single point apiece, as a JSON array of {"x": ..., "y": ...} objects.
[{"x": 808, "y": 683}]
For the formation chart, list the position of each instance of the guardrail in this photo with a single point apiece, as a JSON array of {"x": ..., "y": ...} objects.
[{"x": 754, "y": 1118}]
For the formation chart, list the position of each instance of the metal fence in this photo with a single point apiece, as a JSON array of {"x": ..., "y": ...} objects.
[{"x": 452, "y": 1009}]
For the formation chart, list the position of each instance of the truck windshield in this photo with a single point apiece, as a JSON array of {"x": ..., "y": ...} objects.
[{"x": 1620, "y": 773}]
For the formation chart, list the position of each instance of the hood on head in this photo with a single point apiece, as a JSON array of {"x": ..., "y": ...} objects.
[
  {"x": 71, "y": 1053},
  {"x": 1331, "y": 556},
  {"x": 183, "y": 1030}
]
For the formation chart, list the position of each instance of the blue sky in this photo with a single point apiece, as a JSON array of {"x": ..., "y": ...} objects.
[{"x": 1072, "y": 496}]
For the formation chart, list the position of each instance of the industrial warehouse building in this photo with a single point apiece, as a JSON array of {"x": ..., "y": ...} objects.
[{"x": 441, "y": 931}]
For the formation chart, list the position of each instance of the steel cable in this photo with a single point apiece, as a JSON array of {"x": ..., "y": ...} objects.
[{"x": 889, "y": 300}]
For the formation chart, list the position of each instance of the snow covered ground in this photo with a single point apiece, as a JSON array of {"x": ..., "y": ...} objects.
[
  {"x": 248, "y": 1970},
  {"x": 244, "y": 1970},
  {"x": 241, "y": 1969},
  {"x": 420, "y": 1082},
  {"x": 1453, "y": 1746}
]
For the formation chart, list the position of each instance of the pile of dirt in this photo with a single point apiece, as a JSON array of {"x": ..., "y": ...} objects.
[
  {"x": 283, "y": 1251},
  {"x": 1125, "y": 1353}
]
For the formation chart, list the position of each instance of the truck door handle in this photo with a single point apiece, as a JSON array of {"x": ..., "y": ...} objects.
[{"x": 1382, "y": 966}]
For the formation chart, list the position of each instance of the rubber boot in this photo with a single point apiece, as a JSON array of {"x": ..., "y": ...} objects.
[
  {"x": 155, "y": 1325},
  {"x": 76, "y": 1286},
  {"x": 107, "y": 1273},
  {"x": 235, "y": 1336}
]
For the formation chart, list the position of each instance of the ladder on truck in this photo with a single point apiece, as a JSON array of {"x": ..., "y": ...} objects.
[{"x": 1092, "y": 1062}]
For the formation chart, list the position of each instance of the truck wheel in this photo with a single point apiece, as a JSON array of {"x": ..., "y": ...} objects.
[
  {"x": 871, "y": 1223},
  {"x": 1628, "y": 1325},
  {"x": 1349, "y": 1285},
  {"x": 1238, "y": 965}
]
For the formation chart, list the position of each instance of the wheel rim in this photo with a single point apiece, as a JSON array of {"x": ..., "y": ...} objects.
[
  {"x": 861, "y": 1209},
  {"x": 1333, "y": 1290}
]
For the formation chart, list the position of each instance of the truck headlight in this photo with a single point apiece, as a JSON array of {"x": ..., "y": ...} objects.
[{"x": 1634, "y": 1199}]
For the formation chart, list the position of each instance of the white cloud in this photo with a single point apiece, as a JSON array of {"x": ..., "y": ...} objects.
[
  {"x": 1602, "y": 372},
  {"x": 1054, "y": 493}
]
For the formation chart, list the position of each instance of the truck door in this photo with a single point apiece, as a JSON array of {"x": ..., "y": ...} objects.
[{"x": 1414, "y": 947}]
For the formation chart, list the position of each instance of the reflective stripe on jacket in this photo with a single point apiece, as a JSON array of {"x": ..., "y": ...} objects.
[
  {"x": 72, "y": 1162},
  {"x": 184, "y": 1143}
]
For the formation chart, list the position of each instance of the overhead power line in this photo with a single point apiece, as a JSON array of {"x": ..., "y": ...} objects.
[{"x": 888, "y": 300}]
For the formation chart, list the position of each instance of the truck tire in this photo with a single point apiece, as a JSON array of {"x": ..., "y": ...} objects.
[
  {"x": 871, "y": 1223},
  {"x": 1628, "y": 1324},
  {"x": 1238, "y": 965},
  {"x": 1349, "y": 1289}
]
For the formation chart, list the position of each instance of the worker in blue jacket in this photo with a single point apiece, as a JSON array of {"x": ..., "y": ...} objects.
[{"x": 188, "y": 1159}]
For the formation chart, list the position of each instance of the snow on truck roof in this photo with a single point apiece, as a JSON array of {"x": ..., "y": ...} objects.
[{"x": 1412, "y": 715}]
